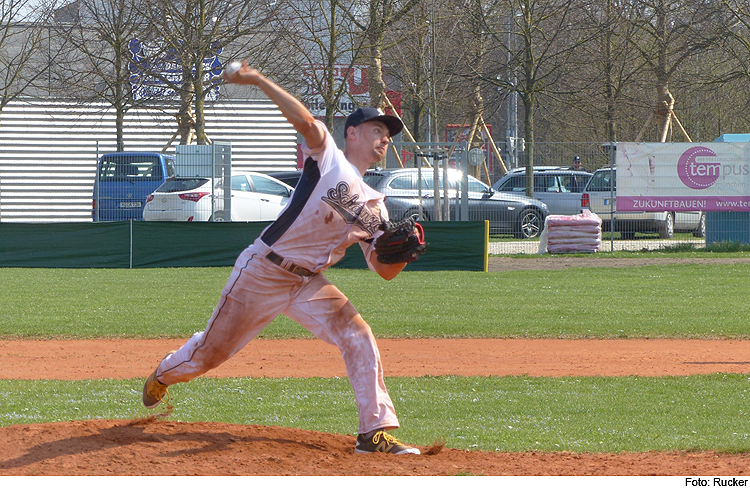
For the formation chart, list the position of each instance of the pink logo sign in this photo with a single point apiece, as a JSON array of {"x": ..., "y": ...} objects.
[{"x": 695, "y": 174}]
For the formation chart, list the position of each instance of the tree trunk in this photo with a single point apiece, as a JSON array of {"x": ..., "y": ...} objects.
[
  {"x": 200, "y": 101},
  {"x": 609, "y": 89},
  {"x": 375, "y": 73},
  {"x": 476, "y": 103},
  {"x": 184, "y": 115},
  {"x": 376, "y": 37},
  {"x": 663, "y": 110},
  {"x": 119, "y": 101},
  {"x": 664, "y": 99},
  {"x": 476, "y": 106},
  {"x": 119, "y": 122}
]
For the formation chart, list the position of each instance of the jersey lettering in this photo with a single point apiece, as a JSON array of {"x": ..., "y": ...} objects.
[{"x": 350, "y": 209}]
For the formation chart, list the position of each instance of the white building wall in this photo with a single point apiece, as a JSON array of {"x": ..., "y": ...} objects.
[{"x": 49, "y": 149}]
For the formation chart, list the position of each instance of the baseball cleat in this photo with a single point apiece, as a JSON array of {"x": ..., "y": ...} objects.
[
  {"x": 381, "y": 441},
  {"x": 154, "y": 390}
]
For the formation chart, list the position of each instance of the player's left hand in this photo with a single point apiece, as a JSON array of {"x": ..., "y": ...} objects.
[{"x": 401, "y": 242}]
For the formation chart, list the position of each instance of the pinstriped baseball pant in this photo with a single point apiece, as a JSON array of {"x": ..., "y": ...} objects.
[{"x": 256, "y": 293}]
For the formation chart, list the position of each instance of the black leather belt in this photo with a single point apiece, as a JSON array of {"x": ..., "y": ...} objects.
[{"x": 288, "y": 265}]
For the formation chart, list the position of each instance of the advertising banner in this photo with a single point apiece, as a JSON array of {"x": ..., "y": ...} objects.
[
  {"x": 353, "y": 84},
  {"x": 683, "y": 177}
]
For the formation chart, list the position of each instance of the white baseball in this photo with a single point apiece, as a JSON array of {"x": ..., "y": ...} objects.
[{"x": 233, "y": 67}]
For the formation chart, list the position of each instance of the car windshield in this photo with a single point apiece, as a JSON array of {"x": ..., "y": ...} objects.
[
  {"x": 130, "y": 167},
  {"x": 181, "y": 184},
  {"x": 267, "y": 185},
  {"x": 572, "y": 182},
  {"x": 372, "y": 179},
  {"x": 546, "y": 182},
  {"x": 169, "y": 162},
  {"x": 601, "y": 181}
]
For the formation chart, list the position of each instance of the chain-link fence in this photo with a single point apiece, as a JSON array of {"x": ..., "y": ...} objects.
[
  {"x": 197, "y": 184},
  {"x": 468, "y": 185},
  {"x": 516, "y": 222}
]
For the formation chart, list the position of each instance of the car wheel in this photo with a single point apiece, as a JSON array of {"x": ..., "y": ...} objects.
[
  {"x": 700, "y": 231},
  {"x": 530, "y": 223},
  {"x": 417, "y": 214},
  {"x": 219, "y": 216},
  {"x": 666, "y": 228}
]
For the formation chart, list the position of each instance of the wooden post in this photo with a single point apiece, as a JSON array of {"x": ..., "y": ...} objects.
[
  {"x": 672, "y": 116},
  {"x": 494, "y": 147},
  {"x": 398, "y": 157},
  {"x": 679, "y": 125},
  {"x": 406, "y": 130},
  {"x": 643, "y": 130}
]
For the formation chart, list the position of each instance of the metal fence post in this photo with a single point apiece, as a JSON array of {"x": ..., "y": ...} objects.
[
  {"x": 131, "y": 242},
  {"x": 464, "y": 158}
]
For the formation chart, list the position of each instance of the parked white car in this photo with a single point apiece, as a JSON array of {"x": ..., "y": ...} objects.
[{"x": 255, "y": 197}]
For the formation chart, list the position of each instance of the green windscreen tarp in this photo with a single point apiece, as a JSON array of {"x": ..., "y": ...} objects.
[
  {"x": 65, "y": 245},
  {"x": 450, "y": 246},
  {"x": 179, "y": 244},
  {"x": 136, "y": 244}
]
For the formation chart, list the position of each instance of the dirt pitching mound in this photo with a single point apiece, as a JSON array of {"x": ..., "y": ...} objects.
[{"x": 153, "y": 446}]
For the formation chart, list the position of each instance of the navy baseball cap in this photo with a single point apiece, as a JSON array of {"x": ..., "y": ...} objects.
[
  {"x": 366, "y": 114},
  {"x": 577, "y": 158}
]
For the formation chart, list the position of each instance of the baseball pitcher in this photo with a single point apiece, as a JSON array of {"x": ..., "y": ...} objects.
[{"x": 282, "y": 271}]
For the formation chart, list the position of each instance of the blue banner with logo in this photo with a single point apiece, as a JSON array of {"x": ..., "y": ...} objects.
[{"x": 156, "y": 73}]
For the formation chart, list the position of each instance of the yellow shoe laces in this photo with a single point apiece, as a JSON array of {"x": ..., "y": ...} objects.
[{"x": 381, "y": 436}]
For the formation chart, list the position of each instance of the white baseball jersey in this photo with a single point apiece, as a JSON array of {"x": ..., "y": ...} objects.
[{"x": 331, "y": 209}]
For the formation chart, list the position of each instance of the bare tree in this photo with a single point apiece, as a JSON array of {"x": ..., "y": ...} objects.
[
  {"x": 23, "y": 32},
  {"x": 473, "y": 39},
  {"x": 427, "y": 55},
  {"x": 667, "y": 34},
  {"x": 724, "y": 86},
  {"x": 608, "y": 68},
  {"x": 410, "y": 65},
  {"x": 186, "y": 38},
  {"x": 323, "y": 47},
  {"x": 381, "y": 18},
  {"x": 536, "y": 39},
  {"x": 96, "y": 63}
]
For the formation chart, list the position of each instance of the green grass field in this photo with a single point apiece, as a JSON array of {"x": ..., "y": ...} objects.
[
  {"x": 650, "y": 301},
  {"x": 487, "y": 413}
]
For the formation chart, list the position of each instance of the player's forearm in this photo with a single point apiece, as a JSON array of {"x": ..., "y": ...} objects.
[
  {"x": 291, "y": 108},
  {"x": 386, "y": 271},
  {"x": 294, "y": 111}
]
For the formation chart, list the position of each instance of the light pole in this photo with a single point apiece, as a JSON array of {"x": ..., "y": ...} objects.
[{"x": 512, "y": 131}]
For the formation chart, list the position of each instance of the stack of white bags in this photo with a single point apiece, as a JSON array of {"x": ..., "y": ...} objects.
[{"x": 571, "y": 233}]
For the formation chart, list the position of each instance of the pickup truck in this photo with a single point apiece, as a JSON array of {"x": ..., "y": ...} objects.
[
  {"x": 123, "y": 182},
  {"x": 599, "y": 196}
]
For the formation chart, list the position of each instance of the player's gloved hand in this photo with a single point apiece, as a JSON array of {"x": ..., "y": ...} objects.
[{"x": 401, "y": 242}]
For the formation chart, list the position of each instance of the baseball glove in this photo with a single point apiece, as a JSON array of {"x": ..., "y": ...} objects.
[{"x": 400, "y": 242}]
